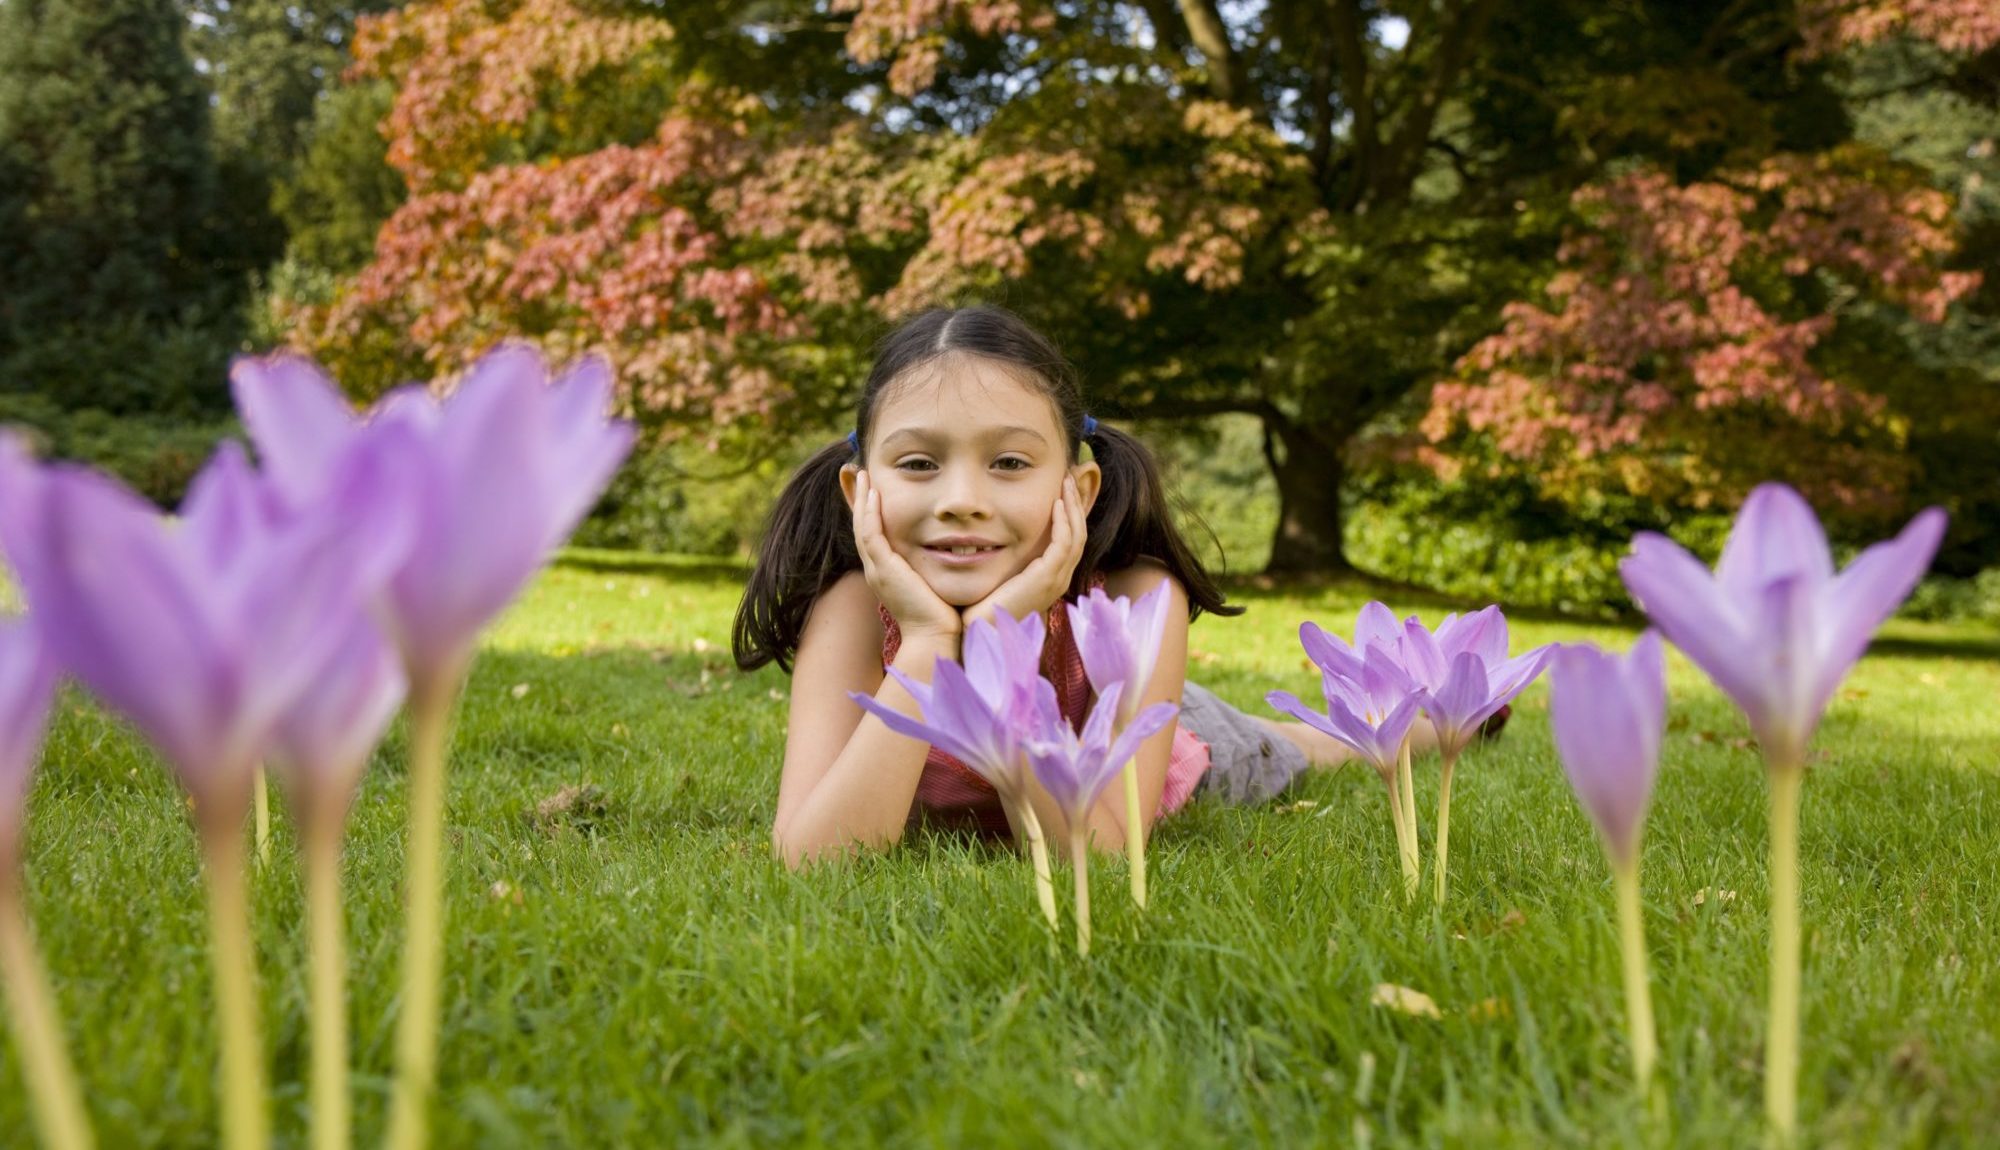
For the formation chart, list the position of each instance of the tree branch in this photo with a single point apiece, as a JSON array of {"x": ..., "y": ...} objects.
[
  {"x": 1351, "y": 51},
  {"x": 1406, "y": 149},
  {"x": 1170, "y": 33},
  {"x": 1226, "y": 75}
]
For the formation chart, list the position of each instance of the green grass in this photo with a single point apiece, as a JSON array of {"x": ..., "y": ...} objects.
[{"x": 647, "y": 975}]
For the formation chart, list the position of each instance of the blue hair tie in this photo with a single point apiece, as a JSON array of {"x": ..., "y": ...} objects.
[
  {"x": 854, "y": 443},
  {"x": 1089, "y": 426}
]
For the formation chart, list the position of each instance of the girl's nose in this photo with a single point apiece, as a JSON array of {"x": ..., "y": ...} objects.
[{"x": 961, "y": 495}]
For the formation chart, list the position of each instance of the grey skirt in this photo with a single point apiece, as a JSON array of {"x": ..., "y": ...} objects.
[{"x": 1247, "y": 763}]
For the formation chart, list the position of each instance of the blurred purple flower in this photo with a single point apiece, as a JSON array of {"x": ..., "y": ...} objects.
[
  {"x": 27, "y": 687},
  {"x": 1374, "y": 626},
  {"x": 1075, "y": 768},
  {"x": 978, "y": 713},
  {"x": 1465, "y": 671},
  {"x": 1774, "y": 627},
  {"x": 204, "y": 631},
  {"x": 1609, "y": 713},
  {"x": 324, "y": 738},
  {"x": 1119, "y": 639},
  {"x": 510, "y": 463}
]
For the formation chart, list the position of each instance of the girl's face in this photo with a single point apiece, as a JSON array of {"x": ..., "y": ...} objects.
[{"x": 967, "y": 456}]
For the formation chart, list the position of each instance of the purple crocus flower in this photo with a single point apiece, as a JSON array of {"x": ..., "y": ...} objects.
[
  {"x": 202, "y": 632},
  {"x": 510, "y": 464},
  {"x": 1774, "y": 626},
  {"x": 980, "y": 712},
  {"x": 1075, "y": 768},
  {"x": 1465, "y": 671},
  {"x": 27, "y": 687},
  {"x": 1119, "y": 639},
  {"x": 1371, "y": 714},
  {"x": 1609, "y": 713}
]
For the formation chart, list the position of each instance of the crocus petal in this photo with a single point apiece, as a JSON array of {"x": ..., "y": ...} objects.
[
  {"x": 586, "y": 446},
  {"x": 323, "y": 739},
  {"x": 1782, "y": 711},
  {"x": 1775, "y": 536},
  {"x": 1484, "y": 633},
  {"x": 1455, "y": 706},
  {"x": 27, "y": 688},
  {"x": 296, "y": 416},
  {"x": 1329, "y": 652},
  {"x": 1289, "y": 704},
  {"x": 1605, "y": 712},
  {"x": 1423, "y": 657},
  {"x": 1866, "y": 594},
  {"x": 1376, "y": 625},
  {"x": 1685, "y": 603}
]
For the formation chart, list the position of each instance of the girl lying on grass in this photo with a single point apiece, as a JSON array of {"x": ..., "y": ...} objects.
[{"x": 962, "y": 490}]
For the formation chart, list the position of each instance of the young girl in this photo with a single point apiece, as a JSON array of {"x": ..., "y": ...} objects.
[{"x": 960, "y": 492}]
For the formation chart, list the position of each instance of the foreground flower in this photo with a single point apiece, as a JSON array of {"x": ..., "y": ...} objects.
[
  {"x": 1609, "y": 715},
  {"x": 1371, "y": 713},
  {"x": 27, "y": 687},
  {"x": 1465, "y": 670},
  {"x": 1075, "y": 769},
  {"x": 203, "y": 632},
  {"x": 1778, "y": 630},
  {"x": 1120, "y": 643},
  {"x": 979, "y": 713},
  {"x": 321, "y": 748},
  {"x": 509, "y": 464}
]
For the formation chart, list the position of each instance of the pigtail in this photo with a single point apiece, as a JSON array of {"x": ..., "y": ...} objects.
[
  {"x": 1130, "y": 519},
  {"x": 807, "y": 545}
]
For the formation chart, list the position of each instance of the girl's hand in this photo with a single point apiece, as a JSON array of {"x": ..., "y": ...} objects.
[
  {"x": 916, "y": 608},
  {"x": 1042, "y": 583}
]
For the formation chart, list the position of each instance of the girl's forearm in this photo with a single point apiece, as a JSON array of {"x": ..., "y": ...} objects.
[{"x": 864, "y": 799}]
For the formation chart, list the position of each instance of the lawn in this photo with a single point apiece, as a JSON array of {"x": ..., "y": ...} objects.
[{"x": 636, "y": 970}]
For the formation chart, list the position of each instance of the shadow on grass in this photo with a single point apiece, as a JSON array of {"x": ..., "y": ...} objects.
[{"x": 702, "y": 568}]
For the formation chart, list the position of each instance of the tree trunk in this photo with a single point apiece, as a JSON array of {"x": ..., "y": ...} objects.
[{"x": 1309, "y": 465}]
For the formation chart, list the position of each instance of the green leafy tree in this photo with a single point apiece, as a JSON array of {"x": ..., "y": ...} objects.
[
  {"x": 1305, "y": 213},
  {"x": 108, "y": 193}
]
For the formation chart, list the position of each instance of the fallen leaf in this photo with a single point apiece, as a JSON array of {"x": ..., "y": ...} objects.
[
  {"x": 1301, "y": 805},
  {"x": 520, "y": 691},
  {"x": 504, "y": 891},
  {"x": 776, "y": 695},
  {"x": 1489, "y": 1010},
  {"x": 1702, "y": 896},
  {"x": 1403, "y": 1000},
  {"x": 578, "y": 807},
  {"x": 700, "y": 645}
]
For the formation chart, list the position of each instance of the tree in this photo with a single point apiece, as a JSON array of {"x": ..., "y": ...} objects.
[
  {"x": 107, "y": 187},
  {"x": 1306, "y": 213}
]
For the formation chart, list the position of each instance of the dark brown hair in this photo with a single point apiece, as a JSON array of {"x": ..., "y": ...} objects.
[{"x": 808, "y": 542}]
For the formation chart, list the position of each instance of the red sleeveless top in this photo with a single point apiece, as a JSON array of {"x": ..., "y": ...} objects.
[{"x": 954, "y": 793}]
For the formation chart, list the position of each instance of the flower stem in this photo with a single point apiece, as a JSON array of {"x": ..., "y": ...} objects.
[
  {"x": 1403, "y": 847},
  {"x": 244, "y": 1123},
  {"x": 1135, "y": 834},
  {"x": 1638, "y": 995},
  {"x": 1781, "y": 1057},
  {"x": 1407, "y": 790},
  {"x": 1444, "y": 825},
  {"x": 1038, "y": 850},
  {"x": 1079, "y": 861},
  {"x": 329, "y": 968},
  {"x": 423, "y": 933},
  {"x": 262, "y": 792},
  {"x": 57, "y": 1103}
]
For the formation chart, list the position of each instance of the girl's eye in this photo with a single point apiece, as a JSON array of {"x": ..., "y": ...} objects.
[
  {"x": 914, "y": 464},
  {"x": 1012, "y": 463}
]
